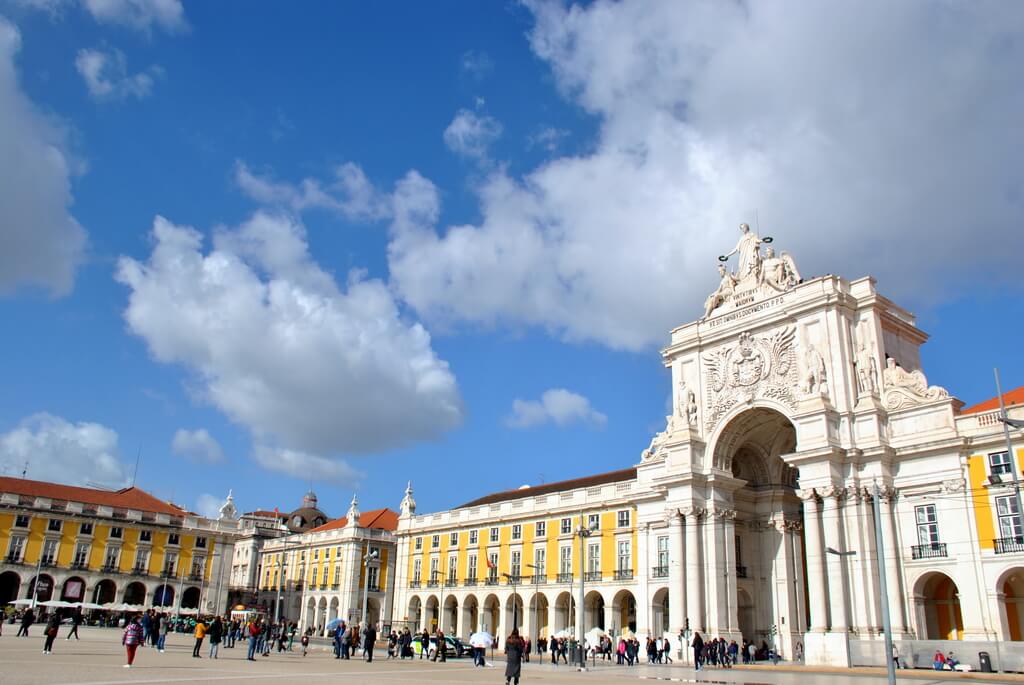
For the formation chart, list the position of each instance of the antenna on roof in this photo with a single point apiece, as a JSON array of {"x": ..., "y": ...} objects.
[
  {"x": 24, "y": 471},
  {"x": 135, "y": 473}
]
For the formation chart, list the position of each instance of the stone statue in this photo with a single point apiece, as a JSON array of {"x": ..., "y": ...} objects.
[
  {"x": 815, "y": 379},
  {"x": 779, "y": 272},
  {"x": 656, "y": 444},
  {"x": 722, "y": 294},
  {"x": 904, "y": 388},
  {"x": 228, "y": 510},
  {"x": 867, "y": 369},
  {"x": 691, "y": 407},
  {"x": 748, "y": 250}
]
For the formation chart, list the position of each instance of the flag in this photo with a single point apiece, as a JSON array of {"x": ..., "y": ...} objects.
[{"x": 491, "y": 565}]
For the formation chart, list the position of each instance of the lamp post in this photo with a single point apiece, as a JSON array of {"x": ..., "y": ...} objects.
[
  {"x": 536, "y": 593},
  {"x": 583, "y": 532},
  {"x": 283, "y": 571},
  {"x": 368, "y": 558},
  {"x": 39, "y": 567},
  {"x": 883, "y": 588},
  {"x": 515, "y": 599}
]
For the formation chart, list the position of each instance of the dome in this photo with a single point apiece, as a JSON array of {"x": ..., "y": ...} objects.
[{"x": 307, "y": 516}]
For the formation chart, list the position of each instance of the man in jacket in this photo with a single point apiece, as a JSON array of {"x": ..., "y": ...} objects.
[{"x": 369, "y": 637}]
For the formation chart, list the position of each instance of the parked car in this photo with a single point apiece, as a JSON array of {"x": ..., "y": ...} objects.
[{"x": 456, "y": 647}]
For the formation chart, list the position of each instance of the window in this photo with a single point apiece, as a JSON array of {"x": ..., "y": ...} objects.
[
  {"x": 541, "y": 529},
  {"x": 372, "y": 577},
  {"x": 313, "y": 580},
  {"x": 539, "y": 557},
  {"x": 81, "y": 554},
  {"x": 337, "y": 574},
  {"x": 517, "y": 532},
  {"x": 112, "y": 557},
  {"x": 594, "y": 521},
  {"x": 625, "y": 560},
  {"x": 375, "y": 551},
  {"x": 50, "y": 551},
  {"x": 927, "y": 525},
  {"x": 494, "y": 534},
  {"x": 623, "y": 519},
  {"x": 739, "y": 551},
  {"x": 594, "y": 558},
  {"x": 16, "y": 549},
  {"x": 198, "y": 566},
  {"x": 999, "y": 463},
  {"x": 435, "y": 542},
  {"x": 142, "y": 559},
  {"x": 145, "y": 536},
  {"x": 453, "y": 539},
  {"x": 433, "y": 570},
  {"x": 337, "y": 552},
  {"x": 471, "y": 567},
  {"x": 663, "y": 552},
  {"x": 419, "y": 544},
  {"x": 492, "y": 565},
  {"x": 200, "y": 543},
  {"x": 1009, "y": 517},
  {"x": 54, "y": 525},
  {"x": 172, "y": 539},
  {"x": 116, "y": 532},
  {"x": 22, "y": 521},
  {"x": 474, "y": 537},
  {"x": 452, "y": 575},
  {"x": 316, "y": 555},
  {"x": 566, "y": 527},
  {"x": 565, "y": 559},
  {"x": 417, "y": 570},
  {"x": 517, "y": 563}
]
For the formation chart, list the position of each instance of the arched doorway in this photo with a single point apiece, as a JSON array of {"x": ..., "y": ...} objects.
[
  {"x": 539, "y": 613},
  {"x": 104, "y": 592},
  {"x": 415, "y": 613},
  {"x": 433, "y": 613},
  {"x": 470, "y": 615},
  {"x": 450, "y": 622},
  {"x": 565, "y": 612},
  {"x": 321, "y": 616},
  {"x": 135, "y": 593},
  {"x": 763, "y": 578},
  {"x": 623, "y": 612},
  {"x": 937, "y": 600},
  {"x": 310, "y": 620},
  {"x": 45, "y": 593},
  {"x": 373, "y": 612},
  {"x": 659, "y": 613},
  {"x": 163, "y": 596},
  {"x": 593, "y": 612},
  {"x": 73, "y": 590},
  {"x": 190, "y": 598},
  {"x": 491, "y": 613},
  {"x": 10, "y": 583},
  {"x": 1012, "y": 591},
  {"x": 513, "y": 613},
  {"x": 332, "y": 610}
]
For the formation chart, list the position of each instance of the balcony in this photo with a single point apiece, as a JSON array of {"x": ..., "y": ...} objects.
[
  {"x": 431, "y": 583},
  {"x": 592, "y": 576},
  {"x": 48, "y": 563},
  {"x": 323, "y": 586},
  {"x": 335, "y": 586},
  {"x": 196, "y": 577},
  {"x": 469, "y": 582},
  {"x": 659, "y": 572},
  {"x": 624, "y": 574},
  {"x": 373, "y": 588},
  {"x": 539, "y": 579},
  {"x": 452, "y": 581},
  {"x": 564, "y": 577},
  {"x": 110, "y": 568},
  {"x": 140, "y": 571},
  {"x": 930, "y": 551},
  {"x": 741, "y": 571},
  {"x": 168, "y": 573},
  {"x": 1010, "y": 545},
  {"x": 490, "y": 580},
  {"x": 414, "y": 585},
  {"x": 12, "y": 559},
  {"x": 514, "y": 579},
  {"x": 80, "y": 565}
]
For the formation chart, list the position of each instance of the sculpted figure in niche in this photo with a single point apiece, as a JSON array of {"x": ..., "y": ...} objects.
[
  {"x": 779, "y": 272},
  {"x": 814, "y": 374},
  {"x": 722, "y": 294},
  {"x": 867, "y": 370},
  {"x": 896, "y": 378},
  {"x": 749, "y": 250},
  {"x": 691, "y": 408}
]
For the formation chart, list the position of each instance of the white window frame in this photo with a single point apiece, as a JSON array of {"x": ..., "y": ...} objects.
[
  {"x": 540, "y": 530},
  {"x": 565, "y": 526},
  {"x": 1010, "y": 525},
  {"x": 516, "y": 563},
  {"x": 623, "y": 515},
  {"x": 594, "y": 557},
  {"x": 927, "y": 520},
  {"x": 471, "y": 567},
  {"x": 474, "y": 537},
  {"x": 999, "y": 464},
  {"x": 663, "y": 552},
  {"x": 624, "y": 555},
  {"x": 517, "y": 531},
  {"x": 565, "y": 559},
  {"x": 495, "y": 534}
]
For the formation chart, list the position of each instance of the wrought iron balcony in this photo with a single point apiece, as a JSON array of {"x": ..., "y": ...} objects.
[
  {"x": 48, "y": 563},
  {"x": 414, "y": 584},
  {"x": 623, "y": 574},
  {"x": 514, "y": 579},
  {"x": 335, "y": 586},
  {"x": 539, "y": 579},
  {"x": 81, "y": 565},
  {"x": 469, "y": 582},
  {"x": 659, "y": 572},
  {"x": 452, "y": 581},
  {"x": 432, "y": 583},
  {"x": 195, "y": 576},
  {"x": 491, "y": 580},
  {"x": 140, "y": 571},
  {"x": 12, "y": 559},
  {"x": 564, "y": 577},
  {"x": 109, "y": 568},
  {"x": 929, "y": 551},
  {"x": 741, "y": 571},
  {"x": 1010, "y": 545},
  {"x": 592, "y": 576},
  {"x": 373, "y": 588}
]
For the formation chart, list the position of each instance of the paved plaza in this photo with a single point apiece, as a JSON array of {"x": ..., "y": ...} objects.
[{"x": 98, "y": 658}]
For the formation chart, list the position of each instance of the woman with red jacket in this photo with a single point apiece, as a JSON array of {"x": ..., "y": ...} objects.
[{"x": 131, "y": 639}]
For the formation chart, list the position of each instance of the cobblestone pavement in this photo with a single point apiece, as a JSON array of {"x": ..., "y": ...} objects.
[{"x": 98, "y": 658}]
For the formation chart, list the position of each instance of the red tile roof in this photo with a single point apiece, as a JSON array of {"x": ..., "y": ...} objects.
[
  {"x": 1011, "y": 398},
  {"x": 125, "y": 498},
  {"x": 383, "y": 519},
  {"x": 546, "y": 488}
]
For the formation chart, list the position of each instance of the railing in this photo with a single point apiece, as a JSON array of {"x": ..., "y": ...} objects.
[
  {"x": 373, "y": 588},
  {"x": 335, "y": 586},
  {"x": 469, "y": 582},
  {"x": 82, "y": 565},
  {"x": 592, "y": 576},
  {"x": 452, "y": 581},
  {"x": 489, "y": 580},
  {"x": 48, "y": 563},
  {"x": 12, "y": 559},
  {"x": 1010, "y": 545},
  {"x": 432, "y": 583},
  {"x": 108, "y": 568},
  {"x": 414, "y": 584},
  {"x": 539, "y": 579},
  {"x": 323, "y": 586},
  {"x": 741, "y": 571},
  {"x": 515, "y": 579},
  {"x": 195, "y": 576},
  {"x": 659, "y": 572},
  {"x": 166, "y": 573},
  {"x": 929, "y": 551},
  {"x": 623, "y": 574},
  {"x": 564, "y": 577},
  {"x": 140, "y": 571}
]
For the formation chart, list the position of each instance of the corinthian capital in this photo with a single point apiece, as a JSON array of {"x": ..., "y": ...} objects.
[{"x": 806, "y": 494}]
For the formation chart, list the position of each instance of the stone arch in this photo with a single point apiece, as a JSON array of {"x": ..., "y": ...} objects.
[
  {"x": 491, "y": 614},
  {"x": 433, "y": 612},
  {"x": 450, "y": 615},
  {"x": 937, "y": 601},
  {"x": 10, "y": 585},
  {"x": 135, "y": 593},
  {"x": 163, "y": 596},
  {"x": 104, "y": 592},
  {"x": 537, "y": 607},
  {"x": 593, "y": 611},
  {"x": 1010, "y": 590},
  {"x": 659, "y": 612},
  {"x": 332, "y": 609},
  {"x": 750, "y": 445},
  {"x": 513, "y": 617},
  {"x": 565, "y": 612},
  {"x": 190, "y": 598},
  {"x": 745, "y": 609},
  {"x": 623, "y": 612},
  {"x": 45, "y": 593},
  {"x": 321, "y": 616},
  {"x": 73, "y": 590},
  {"x": 415, "y": 613},
  {"x": 470, "y": 622},
  {"x": 310, "y": 620}
]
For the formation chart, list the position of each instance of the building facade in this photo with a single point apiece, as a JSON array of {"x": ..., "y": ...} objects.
[
  {"x": 107, "y": 548},
  {"x": 751, "y": 515}
]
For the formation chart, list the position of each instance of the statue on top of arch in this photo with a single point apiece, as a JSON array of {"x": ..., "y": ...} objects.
[{"x": 757, "y": 275}]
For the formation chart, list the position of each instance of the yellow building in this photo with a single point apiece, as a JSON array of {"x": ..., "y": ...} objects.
[{"x": 101, "y": 547}]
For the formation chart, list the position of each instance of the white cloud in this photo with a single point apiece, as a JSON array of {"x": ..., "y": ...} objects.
[
  {"x": 141, "y": 15},
  {"x": 209, "y": 505},
  {"x": 306, "y": 466},
  {"x": 41, "y": 243},
  {"x": 476, "y": 63},
  {"x": 558, "y": 406},
  {"x": 868, "y": 138},
  {"x": 470, "y": 134},
  {"x": 197, "y": 445},
  {"x": 57, "y": 450},
  {"x": 349, "y": 193},
  {"x": 280, "y": 348},
  {"x": 107, "y": 78},
  {"x": 548, "y": 138}
]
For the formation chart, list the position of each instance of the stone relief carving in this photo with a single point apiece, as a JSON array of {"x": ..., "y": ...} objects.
[
  {"x": 686, "y": 404},
  {"x": 813, "y": 375},
  {"x": 654, "y": 450},
  {"x": 864, "y": 361},
  {"x": 904, "y": 388},
  {"x": 753, "y": 367},
  {"x": 953, "y": 485},
  {"x": 779, "y": 272}
]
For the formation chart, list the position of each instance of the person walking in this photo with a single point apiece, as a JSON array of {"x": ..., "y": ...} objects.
[
  {"x": 76, "y": 620},
  {"x": 254, "y": 638},
  {"x": 425, "y": 643},
  {"x": 514, "y": 649},
  {"x": 698, "y": 650},
  {"x": 52, "y": 625},
  {"x": 339, "y": 636},
  {"x": 27, "y": 619},
  {"x": 442, "y": 647},
  {"x": 165, "y": 627},
  {"x": 216, "y": 631},
  {"x": 369, "y": 638},
  {"x": 131, "y": 639},
  {"x": 200, "y": 634}
]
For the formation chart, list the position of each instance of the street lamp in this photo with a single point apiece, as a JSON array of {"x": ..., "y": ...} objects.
[
  {"x": 515, "y": 598},
  {"x": 536, "y": 593},
  {"x": 440, "y": 603},
  {"x": 368, "y": 558},
  {"x": 282, "y": 572},
  {"x": 583, "y": 532}
]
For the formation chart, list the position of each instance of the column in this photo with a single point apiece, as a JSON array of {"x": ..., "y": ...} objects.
[
  {"x": 817, "y": 594},
  {"x": 676, "y": 593},
  {"x": 641, "y": 576},
  {"x": 694, "y": 605},
  {"x": 832, "y": 526},
  {"x": 528, "y": 620},
  {"x": 715, "y": 608},
  {"x": 893, "y": 581},
  {"x": 612, "y": 619},
  {"x": 731, "y": 620},
  {"x": 552, "y": 618}
]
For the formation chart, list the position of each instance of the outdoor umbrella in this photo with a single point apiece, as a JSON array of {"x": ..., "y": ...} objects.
[
  {"x": 627, "y": 634},
  {"x": 89, "y": 605},
  {"x": 334, "y": 623},
  {"x": 563, "y": 634},
  {"x": 22, "y": 602},
  {"x": 481, "y": 639},
  {"x": 594, "y": 635},
  {"x": 56, "y": 604}
]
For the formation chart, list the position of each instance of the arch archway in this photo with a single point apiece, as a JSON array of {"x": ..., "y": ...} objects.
[
  {"x": 332, "y": 610},
  {"x": 593, "y": 612},
  {"x": 321, "y": 616},
  {"x": 104, "y": 592},
  {"x": 373, "y": 612},
  {"x": 190, "y": 598},
  {"x": 415, "y": 614},
  {"x": 538, "y": 608},
  {"x": 937, "y": 600},
  {"x": 310, "y": 618},
  {"x": 470, "y": 615},
  {"x": 135, "y": 593},
  {"x": 450, "y": 617},
  {"x": 491, "y": 613},
  {"x": 623, "y": 612},
  {"x": 659, "y": 613},
  {"x": 745, "y": 607},
  {"x": 73, "y": 590},
  {"x": 163, "y": 596},
  {"x": 10, "y": 584},
  {"x": 45, "y": 593},
  {"x": 565, "y": 612},
  {"x": 513, "y": 613},
  {"x": 1011, "y": 589},
  {"x": 433, "y": 612}
]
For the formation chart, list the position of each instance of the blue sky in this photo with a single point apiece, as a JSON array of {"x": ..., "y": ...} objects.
[{"x": 445, "y": 241}]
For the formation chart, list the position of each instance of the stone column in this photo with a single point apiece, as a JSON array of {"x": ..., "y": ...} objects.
[
  {"x": 694, "y": 605},
  {"x": 528, "y": 620},
  {"x": 642, "y": 575},
  {"x": 612, "y": 619},
  {"x": 716, "y": 621},
  {"x": 816, "y": 587},
  {"x": 893, "y": 561},
  {"x": 731, "y": 620},
  {"x": 676, "y": 594},
  {"x": 832, "y": 526}
]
